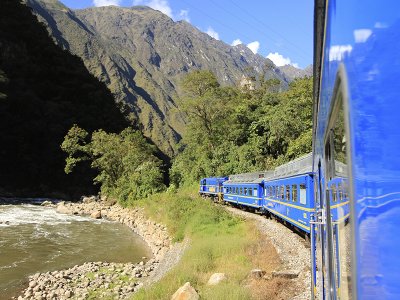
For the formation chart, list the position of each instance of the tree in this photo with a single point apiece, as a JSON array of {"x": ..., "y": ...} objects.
[{"x": 126, "y": 163}]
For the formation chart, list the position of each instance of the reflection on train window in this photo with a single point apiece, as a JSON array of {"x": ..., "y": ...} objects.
[
  {"x": 303, "y": 194},
  {"x": 338, "y": 218},
  {"x": 294, "y": 193}
]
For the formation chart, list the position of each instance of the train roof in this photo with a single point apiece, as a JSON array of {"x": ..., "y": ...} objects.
[{"x": 299, "y": 166}]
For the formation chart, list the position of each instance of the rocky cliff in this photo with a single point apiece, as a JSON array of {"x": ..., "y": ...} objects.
[{"x": 142, "y": 55}]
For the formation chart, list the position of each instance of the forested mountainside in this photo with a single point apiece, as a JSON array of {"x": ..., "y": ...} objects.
[
  {"x": 142, "y": 55},
  {"x": 44, "y": 90}
]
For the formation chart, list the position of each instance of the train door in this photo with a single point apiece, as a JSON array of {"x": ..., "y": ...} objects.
[{"x": 336, "y": 221}]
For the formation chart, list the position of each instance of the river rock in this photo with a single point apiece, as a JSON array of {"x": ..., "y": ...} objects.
[
  {"x": 216, "y": 278},
  {"x": 46, "y": 203},
  {"x": 185, "y": 292},
  {"x": 89, "y": 199},
  {"x": 62, "y": 209},
  {"x": 96, "y": 214}
]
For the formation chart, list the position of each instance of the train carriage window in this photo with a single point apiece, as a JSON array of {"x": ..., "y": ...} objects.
[
  {"x": 245, "y": 191},
  {"x": 303, "y": 194},
  {"x": 236, "y": 190},
  {"x": 340, "y": 190},
  {"x": 283, "y": 192},
  {"x": 288, "y": 193},
  {"x": 255, "y": 192},
  {"x": 338, "y": 218},
  {"x": 250, "y": 191},
  {"x": 240, "y": 191},
  {"x": 333, "y": 191},
  {"x": 294, "y": 192}
]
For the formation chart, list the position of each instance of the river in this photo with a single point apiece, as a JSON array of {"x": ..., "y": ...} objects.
[{"x": 38, "y": 239}]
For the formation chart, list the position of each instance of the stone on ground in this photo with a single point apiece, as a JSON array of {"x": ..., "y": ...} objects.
[
  {"x": 185, "y": 292},
  {"x": 288, "y": 274},
  {"x": 216, "y": 278},
  {"x": 257, "y": 273}
]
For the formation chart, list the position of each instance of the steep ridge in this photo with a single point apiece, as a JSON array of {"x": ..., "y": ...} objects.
[
  {"x": 291, "y": 73},
  {"x": 142, "y": 54},
  {"x": 43, "y": 92}
]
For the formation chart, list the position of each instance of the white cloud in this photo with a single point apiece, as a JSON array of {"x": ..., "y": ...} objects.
[
  {"x": 361, "y": 35},
  {"x": 253, "y": 46},
  {"x": 338, "y": 52},
  {"x": 380, "y": 25},
  {"x": 106, "y": 2},
  {"x": 211, "y": 32},
  {"x": 161, "y": 5},
  {"x": 279, "y": 60},
  {"x": 236, "y": 42},
  {"x": 184, "y": 15}
]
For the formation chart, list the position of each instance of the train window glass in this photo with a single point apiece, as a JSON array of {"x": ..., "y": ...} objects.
[
  {"x": 283, "y": 192},
  {"x": 338, "y": 217},
  {"x": 340, "y": 190},
  {"x": 245, "y": 191},
  {"x": 294, "y": 192},
  {"x": 255, "y": 192},
  {"x": 250, "y": 191},
  {"x": 333, "y": 191},
  {"x": 236, "y": 190},
  {"x": 288, "y": 193},
  {"x": 303, "y": 194}
]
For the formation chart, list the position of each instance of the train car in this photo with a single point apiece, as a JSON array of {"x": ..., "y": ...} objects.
[
  {"x": 355, "y": 253},
  {"x": 247, "y": 193},
  {"x": 291, "y": 199},
  {"x": 212, "y": 187}
]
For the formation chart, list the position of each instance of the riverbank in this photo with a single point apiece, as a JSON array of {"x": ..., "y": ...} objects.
[{"x": 94, "y": 280}]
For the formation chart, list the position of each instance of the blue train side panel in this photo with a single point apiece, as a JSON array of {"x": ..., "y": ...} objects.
[
  {"x": 244, "y": 193},
  {"x": 291, "y": 199},
  {"x": 211, "y": 186},
  {"x": 359, "y": 67}
]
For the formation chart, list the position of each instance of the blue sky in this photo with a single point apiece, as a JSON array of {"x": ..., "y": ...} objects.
[{"x": 278, "y": 29}]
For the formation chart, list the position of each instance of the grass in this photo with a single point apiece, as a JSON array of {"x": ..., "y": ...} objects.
[{"x": 219, "y": 242}]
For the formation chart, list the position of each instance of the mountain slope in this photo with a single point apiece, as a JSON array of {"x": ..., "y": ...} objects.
[
  {"x": 43, "y": 92},
  {"x": 142, "y": 55},
  {"x": 291, "y": 73}
]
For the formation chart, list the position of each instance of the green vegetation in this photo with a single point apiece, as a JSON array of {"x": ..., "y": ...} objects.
[
  {"x": 233, "y": 130},
  {"x": 219, "y": 242},
  {"x": 128, "y": 169}
]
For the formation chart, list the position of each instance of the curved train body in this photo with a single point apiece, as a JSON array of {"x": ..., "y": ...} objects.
[{"x": 356, "y": 122}]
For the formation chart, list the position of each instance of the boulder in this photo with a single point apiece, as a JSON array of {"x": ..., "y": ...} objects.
[
  {"x": 288, "y": 274},
  {"x": 185, "y": 292},
  {"x": 96, "y": 214},
  {"x": 46, "y": 203},
  {"x": 257, "y": 273},
  {"x": 62, "y": 209},
  {"x": 89, "y": 199},
  {"x": 216, "y": 278}
]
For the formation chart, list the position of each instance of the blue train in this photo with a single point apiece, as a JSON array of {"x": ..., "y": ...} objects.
[
  {"x": 349, "y": 201},
  {"x": 356, "y": 220}
]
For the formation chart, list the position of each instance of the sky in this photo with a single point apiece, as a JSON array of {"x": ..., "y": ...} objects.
[{"x": 281, "y": 30}]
